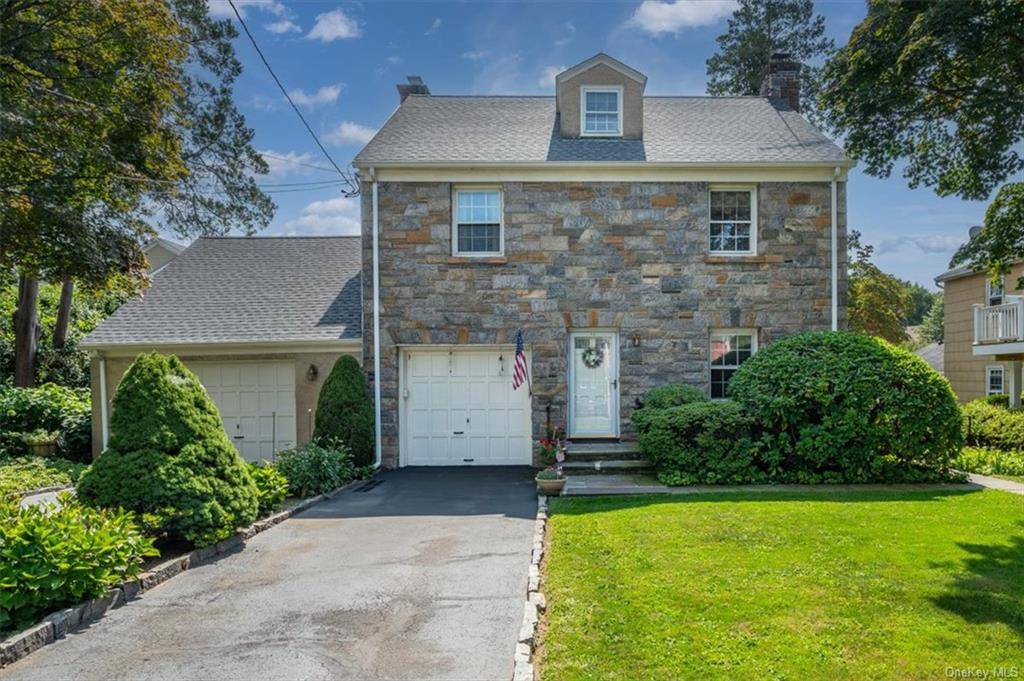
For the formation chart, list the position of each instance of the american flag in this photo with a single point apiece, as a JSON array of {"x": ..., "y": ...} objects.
[{"x": 519, "y": 371}]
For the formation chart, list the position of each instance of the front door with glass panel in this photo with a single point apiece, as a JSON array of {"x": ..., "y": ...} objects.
[{"x": 593, "y": 385}]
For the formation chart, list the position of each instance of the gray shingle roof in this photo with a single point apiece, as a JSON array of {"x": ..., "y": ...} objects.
[
  {"x": 442, "y": 129},
  {"x": 246, "y": 290}
]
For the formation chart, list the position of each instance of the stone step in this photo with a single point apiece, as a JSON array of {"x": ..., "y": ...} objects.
[
  {"x": 602, "y": 451},
  {"x": 605, "y": 466}
]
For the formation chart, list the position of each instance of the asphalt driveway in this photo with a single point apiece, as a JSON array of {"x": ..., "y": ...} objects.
[{"x": 422, "y": 577}]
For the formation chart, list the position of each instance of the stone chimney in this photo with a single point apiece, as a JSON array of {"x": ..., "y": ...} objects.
[
  {"x": 416, "y": 86},
  {"x": 782, "y": 82}
]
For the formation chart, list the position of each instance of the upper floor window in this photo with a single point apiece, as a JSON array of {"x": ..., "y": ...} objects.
[
  {"x": 602, "y": 111},
  {"x": 994, "y": 380},
  {"x": 733, "y": 220},
  {"x": 477, "y": 224},
  {"x": 994, "y": 292},
  {"x": 729, "y": 349}
]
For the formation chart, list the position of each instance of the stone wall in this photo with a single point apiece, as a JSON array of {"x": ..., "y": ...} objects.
[{"x": 630, "y": 257}]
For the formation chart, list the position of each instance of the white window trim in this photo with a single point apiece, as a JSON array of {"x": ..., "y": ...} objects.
[
  {"x": 754, "y": 345},
  {"x": 994, "y": 369},
  {"x": 752, "y": 188},
  {"x": 584, "y": 89},
  {"x": 988, "y": 291},
  {"x": 455, "y": 221}
]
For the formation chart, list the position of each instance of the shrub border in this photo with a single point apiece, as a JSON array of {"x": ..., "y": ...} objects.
[
  {"x": 526, "y": 643},
  {"x": 58, "y": 624}
]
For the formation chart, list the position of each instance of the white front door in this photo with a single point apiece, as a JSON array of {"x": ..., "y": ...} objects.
[
  {"x": 593, "y": 384},
  {"x": 459, "y": 409}
]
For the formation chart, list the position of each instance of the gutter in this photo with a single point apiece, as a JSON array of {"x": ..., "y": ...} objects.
[
  {"x": 376, "y": 322},
  {"x": 835, "y": 249}
]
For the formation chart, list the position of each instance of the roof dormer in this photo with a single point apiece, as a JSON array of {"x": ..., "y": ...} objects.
[{"x": 601, "y": 97}]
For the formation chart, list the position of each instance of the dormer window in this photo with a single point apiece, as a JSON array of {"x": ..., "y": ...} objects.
[{"x": 601, "y": 111}]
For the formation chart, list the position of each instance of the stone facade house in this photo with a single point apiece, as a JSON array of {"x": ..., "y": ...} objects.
[
  {"x": 632, "y": 240},
  {"x": 983, "y": 334}
]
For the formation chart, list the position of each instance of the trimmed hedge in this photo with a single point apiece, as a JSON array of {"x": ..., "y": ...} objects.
[
  {"x": 55, "y": 556},
  {"x": 993, "y": 425},
  {"x": 848, "y": 407},
  {"x": 700, "y": 442},
  {"x": 344, "y": 411},
  {"x": 169, "y": 459},
  {"x": 663, "y": 397},
  {"x": 48, "y": 407}
]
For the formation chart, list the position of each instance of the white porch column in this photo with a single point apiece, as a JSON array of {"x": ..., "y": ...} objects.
[{"x": 1013, "y": 383}]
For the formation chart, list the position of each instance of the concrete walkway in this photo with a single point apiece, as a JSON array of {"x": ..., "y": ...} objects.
[
  {"x": 997, "y": 483},
  {"x": 423, "y": 577}
]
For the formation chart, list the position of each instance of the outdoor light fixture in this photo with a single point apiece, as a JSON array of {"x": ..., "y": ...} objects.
[
  {"x": 636, "y": 340},
  {"x": 312, "y": 372}
]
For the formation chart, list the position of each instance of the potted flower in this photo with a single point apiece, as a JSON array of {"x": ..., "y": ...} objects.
[
  {"x": 41, "y": 442},
  {"x": 550, "y": 481}
]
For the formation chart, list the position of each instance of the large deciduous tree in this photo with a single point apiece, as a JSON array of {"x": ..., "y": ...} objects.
[
  {"x": 941, "y": 85},
  {"x": 878, "y": 303},
  {"x": 116, "y": 115},
  {"x": 759, "y": 28}
]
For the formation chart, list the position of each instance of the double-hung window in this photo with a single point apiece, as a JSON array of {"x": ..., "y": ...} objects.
[
  {"x": 994, "y": 380},
  {"x": 729, "y": 349},
  {"x": 477, "y": 223},
  {"x": 733, "y": 220},
  {"x": 601, "y": 111},
  {"x": 994, "y": 292}
]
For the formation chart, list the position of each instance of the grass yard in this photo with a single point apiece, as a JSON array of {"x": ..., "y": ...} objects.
[{"x": 867, "y": 585}]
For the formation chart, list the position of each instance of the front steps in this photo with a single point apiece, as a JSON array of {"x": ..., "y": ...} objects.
[{"x": 596, "y": 457}]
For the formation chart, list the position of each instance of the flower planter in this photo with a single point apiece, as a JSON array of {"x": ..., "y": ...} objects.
[
  {"x": 42, "y": 449},
  {"x": 550, "y": 487}
]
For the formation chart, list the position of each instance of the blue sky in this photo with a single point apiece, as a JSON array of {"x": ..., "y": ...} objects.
[{"x": 341, "y": 61}]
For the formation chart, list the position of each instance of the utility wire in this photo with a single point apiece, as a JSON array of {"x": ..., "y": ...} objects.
[
  {"x": 298, "y": 163},
  {"x": 352, "y": 184}
]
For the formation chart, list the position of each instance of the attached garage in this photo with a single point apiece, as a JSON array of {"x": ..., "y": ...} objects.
[
  {"x": 260, "y": 320},
  {"x": 458, "y": 408}
]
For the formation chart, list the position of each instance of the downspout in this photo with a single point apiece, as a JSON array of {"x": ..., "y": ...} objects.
[
  {"x": 104, "y": 419},
  {"x": 376, "y": 323},
  {"x": 835, "y": 250}
]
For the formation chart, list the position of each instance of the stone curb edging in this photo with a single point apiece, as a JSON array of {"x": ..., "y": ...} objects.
[
  {"x": 59, "y": 624},
  {"x": 41, "y": 490},
  {"x": 535, "y": 602}
]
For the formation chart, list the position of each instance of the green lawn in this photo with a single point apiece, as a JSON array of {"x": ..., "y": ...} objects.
[{"x": 866, "y": 585}]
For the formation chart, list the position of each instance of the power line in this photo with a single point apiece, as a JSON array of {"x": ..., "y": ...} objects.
[
  {"x": 352, "y": 184},
  {"x": 298, "y": 163}
]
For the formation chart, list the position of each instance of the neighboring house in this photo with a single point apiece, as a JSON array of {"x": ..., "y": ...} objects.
[
  {"x": 635, "y": 240},
  {"x": 934, "y": 354},
  {"x": 261, "y": 320},
  {"x": 983, "y": 333},
  {"x": 159, "y": 252}
]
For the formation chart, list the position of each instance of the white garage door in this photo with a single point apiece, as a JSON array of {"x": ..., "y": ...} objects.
[
  {"x": 459, "y": 408},
  {"x": 256, "y": 402}
]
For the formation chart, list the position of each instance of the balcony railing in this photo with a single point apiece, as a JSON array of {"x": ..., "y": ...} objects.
[{"x": 1000, "y": 323}]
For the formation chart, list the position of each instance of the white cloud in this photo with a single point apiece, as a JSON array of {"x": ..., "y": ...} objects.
[
  {"x": 394, "y": 59},
  {"x": 283, "y": 26},
  {"x": 325, "y": 95},
  {"x": 929, "y": 244},
  {"x": 547, "y": 77},
  {"x": 337, "y": 217},
  {"x": 503, "y": 75},
  {"x": 657, "y": 17},
  {"x": 221, "y": 9},
  {"x": 334, "y": 25},
  {"x": 286, "y": 162},
  {"x": 476, "y": 55},
  {"x": 348, "y": 132},
  {"x": 434, "y": 26}
]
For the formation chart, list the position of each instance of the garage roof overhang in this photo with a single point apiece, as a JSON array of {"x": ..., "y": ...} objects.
[{"x": 239, "y": 348}]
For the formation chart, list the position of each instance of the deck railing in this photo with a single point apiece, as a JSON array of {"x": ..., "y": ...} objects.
[{"x": 1000, "y": 323}]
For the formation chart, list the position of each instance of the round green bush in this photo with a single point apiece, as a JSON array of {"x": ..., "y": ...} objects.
[
  {"x": 169, "y": 458},
  {"x": 993, "y": 425},
  {"x": 847, "y": 407},
  {"x": 701, "y": 443},
  {"x": 665, "y": 397},
  {"x": 316, "y": 468},
  {"x": 344, "y": 411}
]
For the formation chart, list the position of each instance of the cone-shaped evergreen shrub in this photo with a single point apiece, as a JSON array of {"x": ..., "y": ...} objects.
[
  {"x": 168, "y": 457},
  {"x": 344, "y": 412}
]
